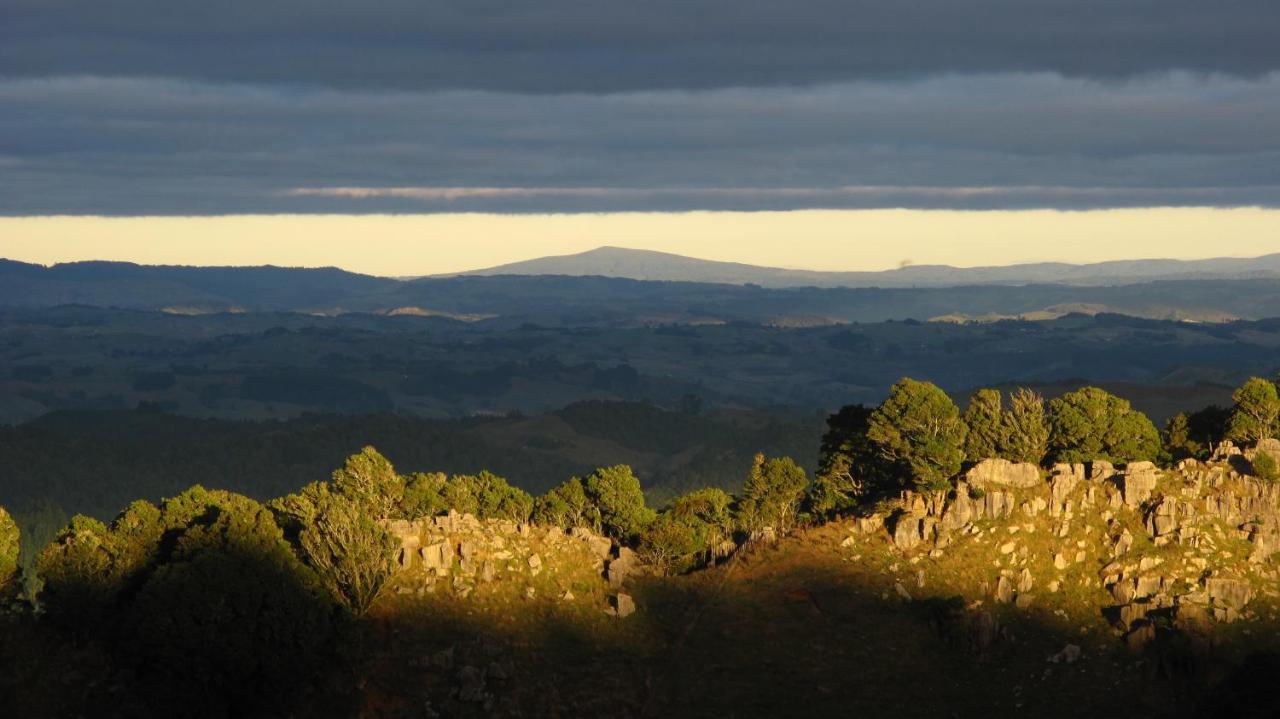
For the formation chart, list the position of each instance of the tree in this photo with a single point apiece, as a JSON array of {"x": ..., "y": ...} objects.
[
  {"x": 353, "y": 554},
  {"x": 1257, "y": 412},
  {"x": 685, "y": 534},
  {"x": 1207, "y": 427},
  {"x": 918, "y": 431},
  {"x": 1177, "y": 438},
  {"x": 90, "y": 567},
  {"x": 615, "y": 494},
  {"x": 849, "y": 467},
  {"x": 369, "y": 479},
  {"x": 9, "y": 541},
  {"x": 1091, "y": 424},
  {"x": 984, "y": 420},
  {"x": 493, "y": 497},
  {"x": 228, "y": 613},
  {"x": 566, "y": 505},
  {"x": 772, "y": 494},
  {"x": 835, "y": 488},
  {"x": 1025, "y": 433},
  {"x": 424, "y": 495}
]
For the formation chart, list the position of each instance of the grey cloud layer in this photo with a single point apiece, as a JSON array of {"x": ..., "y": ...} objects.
[
  {"x": 622, "y": 45},
  {"x": 137, "y": 146}
]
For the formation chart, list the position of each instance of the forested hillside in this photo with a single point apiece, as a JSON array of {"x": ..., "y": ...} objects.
[{"x": 963, "y": 542}]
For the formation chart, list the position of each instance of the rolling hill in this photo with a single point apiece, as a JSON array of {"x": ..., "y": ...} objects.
[{"x": 662, "y": 266}]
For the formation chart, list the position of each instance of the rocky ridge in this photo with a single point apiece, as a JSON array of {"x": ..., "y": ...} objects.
[
  {"x": 458, "y": 553},
  {"x": 1176, "y": 550}
]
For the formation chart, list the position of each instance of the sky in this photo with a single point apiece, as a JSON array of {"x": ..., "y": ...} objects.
[{"x": 499, "y": 130}]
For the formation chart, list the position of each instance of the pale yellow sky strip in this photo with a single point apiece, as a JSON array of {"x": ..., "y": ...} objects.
[{"x": 405, "y": 245}]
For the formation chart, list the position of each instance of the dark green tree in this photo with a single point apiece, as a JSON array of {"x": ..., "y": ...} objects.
[
  {"x": 352, "y": 553},
  {"x": 229, "y": 614},
  {"x": 918, "y": 431},
  {"x": 1025, "y": 436},
  {"x": 772, "y": 494},
  {"x": 90, "y": 566},
  {"x": 424, "y": 495},
  {"x": 490, "y": 497},
  {"x": 849, "y": 466},
  {"x": 985, "y": 422},
  {"x": 566, "y": 505},
  {"x": 1090, "y": 424},
  {"x": 616, "y": 496},
  {"x": 1256, "y": 415},
  {"x": 1207, "y": 427},
  {"x": 1177, "y": 438},
  {"x": 369, "y": 479},
  {"x": 688, "y": 530}
]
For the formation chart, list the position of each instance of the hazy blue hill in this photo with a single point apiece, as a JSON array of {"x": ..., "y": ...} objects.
[
  {"x": 597, "y": 300},
  {"x": 594, "y": 299},
  {"x": 121, "y": 284},
  {"x": 650, "y": 265}
]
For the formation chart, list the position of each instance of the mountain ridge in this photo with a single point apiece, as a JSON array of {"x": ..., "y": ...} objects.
[{"x": 651, "y": 265}]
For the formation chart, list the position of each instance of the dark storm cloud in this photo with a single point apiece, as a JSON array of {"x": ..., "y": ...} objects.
[
  {"x": 136, "y": 146},
  {"x": 620, "y": 45}
]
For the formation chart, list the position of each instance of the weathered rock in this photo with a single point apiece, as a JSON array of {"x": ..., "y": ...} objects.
[
  {"x": 1225, "y": 451},
  {"x": 1140, "y": 479},
  {"x": 906, "y": 532},
  {"x": 870, "y": 523},
  {"x": 1123, "y": 544},
  {"x": 959, "y": 511},
  {"x": 1025, "y": 581},
  {"x": 622, "y": 605},
  {"x": 1140, "y": 637},
  {"x": 1070, "y": 654},
  {"x": 435, "y": 557},
  {"x": 1101, "y": 469},
  {"x": 1147, "y": 586},
  {"x": 1124, "y": 591},
  {"x": 1229, "y": 593},
  {"x": 1004, "y": 590},
  {"x": 1163, "y": 518},
  {"x": 1003, "y": 473}
]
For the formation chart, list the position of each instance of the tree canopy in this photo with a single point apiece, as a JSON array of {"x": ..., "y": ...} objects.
[
  {"x": 1256, "y": 415},
  {"x": 984, "y": 420},
  {"x": 919, "y": 432},
  {"x": 1090, "y": 424}
]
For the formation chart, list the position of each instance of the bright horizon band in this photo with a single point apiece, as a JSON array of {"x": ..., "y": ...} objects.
[{"x": 409, "y": 245}]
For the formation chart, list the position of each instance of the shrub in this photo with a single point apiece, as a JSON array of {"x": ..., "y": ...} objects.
[{"x": 1266, "y": 468}]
